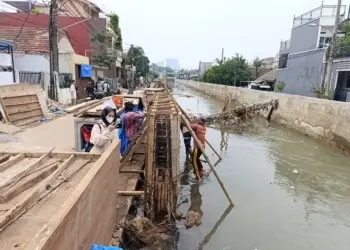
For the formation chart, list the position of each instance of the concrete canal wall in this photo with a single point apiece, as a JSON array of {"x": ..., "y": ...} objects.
[{"x": 318, "y": 118}]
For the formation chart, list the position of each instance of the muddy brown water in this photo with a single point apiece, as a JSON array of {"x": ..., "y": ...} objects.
[{"x": 290, "y": 191}]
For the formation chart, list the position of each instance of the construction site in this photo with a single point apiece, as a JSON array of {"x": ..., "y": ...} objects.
[{"x": 54, "y": 196}]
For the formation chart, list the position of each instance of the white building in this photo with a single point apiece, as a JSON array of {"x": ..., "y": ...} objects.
[
  {"x": 203, "y": 67},
  {"x": 4, "y": 7}
]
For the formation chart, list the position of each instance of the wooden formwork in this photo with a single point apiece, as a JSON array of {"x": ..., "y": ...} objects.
[
  {"x": 162, "y": 165},
  {"x": 53, "y": 201},
  {"x": 35, "y": 175}
]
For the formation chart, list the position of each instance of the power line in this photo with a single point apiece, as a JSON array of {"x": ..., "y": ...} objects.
[{"x": 24, "y": 22}]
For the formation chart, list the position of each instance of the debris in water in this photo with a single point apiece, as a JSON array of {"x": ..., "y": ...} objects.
[
  {"x": 295, "y": 171},
  {"x": 143, "y": 233},
  {"x": 292, "y": 187},
  {"x": 193, "y": 219}
]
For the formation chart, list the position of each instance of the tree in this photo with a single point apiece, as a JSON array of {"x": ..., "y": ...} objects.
[
  {"x": 102, "y": 59},
  {"x": 136, "y": 56},
  {"x": 257, "y": 63},
  {"x": 230, "y": 72},
  {"x": 142, "y": 65},
  {"x": 114, "y": 25},
  {"x": 133, "y": 52}
]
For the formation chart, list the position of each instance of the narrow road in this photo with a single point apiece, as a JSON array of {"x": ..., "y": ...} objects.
[{"x": 58, "y": 133}]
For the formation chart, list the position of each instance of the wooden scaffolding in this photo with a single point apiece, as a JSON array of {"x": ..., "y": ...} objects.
[{"x": 162, "y": 160}]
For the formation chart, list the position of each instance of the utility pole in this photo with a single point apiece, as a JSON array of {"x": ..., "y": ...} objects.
[
  {"x": 222, "y": 55},
  {"x": 53, "y": 42},
  {"x": 329, "y": 65}
]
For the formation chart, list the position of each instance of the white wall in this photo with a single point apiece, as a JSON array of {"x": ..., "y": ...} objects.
[
  {"x": 6, "y": 78},
  {"x": 35, "y": 63},
  {"x": 64, "y": 96},
  {"x": 64, "y": 63},
  {"x": 4, "y": 7},
  {"x": 5, "y": 59}
]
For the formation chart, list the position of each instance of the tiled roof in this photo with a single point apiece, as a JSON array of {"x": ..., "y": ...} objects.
[
  {"x": 269, "y": 76},
  {"x": 79, "y": 34},
  {"x": 29, "y": 40}
]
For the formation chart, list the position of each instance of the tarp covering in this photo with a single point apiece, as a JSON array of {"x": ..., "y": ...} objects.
[
  {"x": 86, "y": 70},
  {"x": 96, "y": 247}
]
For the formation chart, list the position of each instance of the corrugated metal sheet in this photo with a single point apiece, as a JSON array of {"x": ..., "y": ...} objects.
[{"x": 31, "y": 77}]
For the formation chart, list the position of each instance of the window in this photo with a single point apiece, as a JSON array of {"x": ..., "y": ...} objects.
[
  {"x": 324, "y": 41},
  {"x": 283, "y": 61},
  {"x": 348, "y": 83}
]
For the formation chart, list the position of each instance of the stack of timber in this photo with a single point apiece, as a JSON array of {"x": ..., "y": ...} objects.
[
  {"x": 162, "y": 165},
  {"x": 22, "y": 104},
  {"x": 55, "y": 200}
]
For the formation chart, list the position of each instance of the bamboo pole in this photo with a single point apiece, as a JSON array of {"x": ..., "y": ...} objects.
[
  {"x": 185, "y": 114},
  {"x": 184, "y": 119}
]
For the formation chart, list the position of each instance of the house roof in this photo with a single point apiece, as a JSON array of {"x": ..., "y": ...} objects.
[
  {"x": 79, "y": 34},
  {"x": 27, "y": 40},
  {"x": 269, "y": 76},
  {"x": 21, "y": 5}
]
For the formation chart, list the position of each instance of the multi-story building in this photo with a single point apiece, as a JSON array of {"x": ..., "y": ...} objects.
[
  {"x": 203, "y": 67},
  {"x": 302, "y": 59}
]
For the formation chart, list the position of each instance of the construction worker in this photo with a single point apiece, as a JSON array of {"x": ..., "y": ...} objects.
[
  {"x": 200, "y": 131},
  {"x": 187, "y": 141}
]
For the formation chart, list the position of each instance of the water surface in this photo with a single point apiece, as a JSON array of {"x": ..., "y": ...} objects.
[{"x": 276, "y": 208}]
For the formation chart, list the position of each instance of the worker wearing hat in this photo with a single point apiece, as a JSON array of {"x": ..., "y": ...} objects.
[{"x": 200, "y": 131}]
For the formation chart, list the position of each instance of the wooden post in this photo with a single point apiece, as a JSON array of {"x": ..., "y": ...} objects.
[
  {"x": 184, "y": 113},
  {"x": 186, "y": 122}
]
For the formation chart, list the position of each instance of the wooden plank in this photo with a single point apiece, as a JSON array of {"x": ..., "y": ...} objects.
[
  {"x": 28, "y": 182},
  {"x": 25, "y": 171},
  {"x": 4, "y": 158},
  {"x": 88, "y": 107},
  {"x": 5, "y": 111},
  {"x": 126, "y": 158},
  {"x": 17, "y": 110},
  {"x": 11, "y": 162},
  {"x": 150, "y": 149},
  {"x": 132, "y": 171},
  {"x": 131, "y": 193},
  {"x": 33, "y": 197},
  {"x": 25, "y": 115}
]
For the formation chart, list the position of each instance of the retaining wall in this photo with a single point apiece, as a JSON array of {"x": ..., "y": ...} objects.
[{"x": 318, "y": 118}]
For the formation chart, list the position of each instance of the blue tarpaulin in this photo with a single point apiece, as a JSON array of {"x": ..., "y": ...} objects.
[
  {"x": 86, "y": 70},
  {"x": 96, "y": 247},
  {"x": 122, "y": 136}
]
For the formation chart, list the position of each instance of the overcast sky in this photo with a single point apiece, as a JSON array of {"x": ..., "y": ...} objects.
[{"x": 194, "y": 30}]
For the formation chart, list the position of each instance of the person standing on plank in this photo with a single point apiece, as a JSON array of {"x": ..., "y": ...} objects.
[{"x": 200, "y": 131}]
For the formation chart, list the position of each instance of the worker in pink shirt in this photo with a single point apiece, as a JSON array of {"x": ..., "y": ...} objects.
[{"x": 130, "y": 120}]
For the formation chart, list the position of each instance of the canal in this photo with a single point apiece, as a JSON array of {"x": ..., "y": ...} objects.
[{"x": 290, "y": 191}]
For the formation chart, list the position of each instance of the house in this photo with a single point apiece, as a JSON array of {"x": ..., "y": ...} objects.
[
  {"x": 75, "y": 8},
  {"x": 5, "y": 7},
  {"x": 268, "y": 62},
  {"x": 81, "y": 32},
  {"x": 301, "y": 61},
  {"x": 21, "y": 6},
  {"x": 203, "y": 67},
  {"x": 31, "y": 56},
  {"x": 7, "y": 73}
]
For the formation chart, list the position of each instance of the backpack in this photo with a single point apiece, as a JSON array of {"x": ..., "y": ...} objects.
[{"x": 89, "y": 144}]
